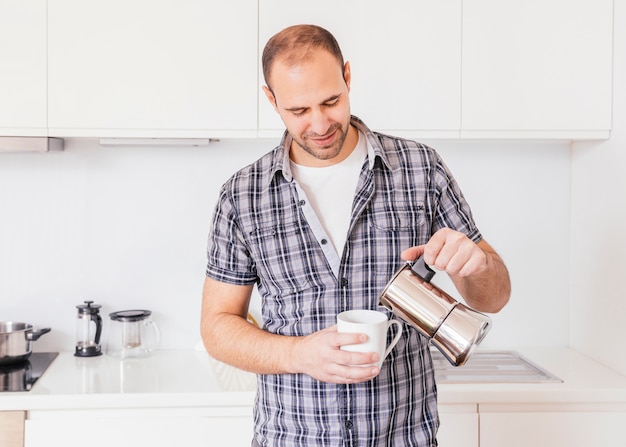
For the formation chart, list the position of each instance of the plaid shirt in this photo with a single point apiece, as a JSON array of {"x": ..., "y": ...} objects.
[{"x": 264, "y": 232}]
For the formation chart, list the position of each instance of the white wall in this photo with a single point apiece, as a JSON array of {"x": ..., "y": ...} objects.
[
  {"x": 519, "y": 193},
  {"x": 126, "y": 227},
  {"x": 598, "y": 236}
]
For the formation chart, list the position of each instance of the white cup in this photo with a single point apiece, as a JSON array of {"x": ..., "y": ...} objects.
[{"x": 372, "y": 323}]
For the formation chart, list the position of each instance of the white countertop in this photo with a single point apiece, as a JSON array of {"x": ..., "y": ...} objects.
[
  {"x": 192, "y": 379},
  {"x": 584, "y": 381}
]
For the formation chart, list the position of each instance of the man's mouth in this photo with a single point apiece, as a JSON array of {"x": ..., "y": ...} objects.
[{"x": 325, "y": 140}]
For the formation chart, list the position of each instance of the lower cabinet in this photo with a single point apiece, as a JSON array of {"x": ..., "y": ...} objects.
[
  {"x": 206, "y": 427},
  {"x": 462, "y": 425},
  {"x": 459, "y": 425},
  {"x": 558, "y": 425},
  {"x": 12, "y": 428},
  {"x": 202, "y": 427}
]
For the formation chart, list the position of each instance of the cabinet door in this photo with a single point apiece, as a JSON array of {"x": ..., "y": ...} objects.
[
  {"x": 537, "y": 66},
  {"x": 23, "y": 68},
  {"x": 459, "y": 426},
  {"x": 551, "y": 427},
  {"x": 153, "y": 69},
  {"x": 154, "y": 428},
  {"x": 405, "y": 57}
]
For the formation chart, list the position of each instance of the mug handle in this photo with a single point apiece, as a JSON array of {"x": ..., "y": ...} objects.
[{"x": 396, "y": 338}]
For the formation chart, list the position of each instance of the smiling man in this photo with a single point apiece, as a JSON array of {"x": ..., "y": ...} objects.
[
  {"x": 319, "y": 225},
  {"x": 314, "y": 105}
]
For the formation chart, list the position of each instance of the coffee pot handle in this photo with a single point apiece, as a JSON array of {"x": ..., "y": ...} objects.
[{"x": 420, "y": 268}]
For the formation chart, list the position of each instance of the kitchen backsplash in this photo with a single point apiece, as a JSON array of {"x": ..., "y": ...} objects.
[{"x": 126, "y": 227}]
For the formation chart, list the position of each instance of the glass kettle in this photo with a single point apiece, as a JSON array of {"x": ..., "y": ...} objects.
[{"x": 132, "y": 334}]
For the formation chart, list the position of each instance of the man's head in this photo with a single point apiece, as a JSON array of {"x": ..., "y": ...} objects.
[
  {"x": 295, "y": 44},
  {"x": 308, "y": 84}
]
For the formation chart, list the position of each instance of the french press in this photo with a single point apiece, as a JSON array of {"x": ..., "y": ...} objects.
[{"x": 88, "y": 330}]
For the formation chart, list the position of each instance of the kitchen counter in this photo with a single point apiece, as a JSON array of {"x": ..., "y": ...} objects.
[{"x": 192, "y": 379}]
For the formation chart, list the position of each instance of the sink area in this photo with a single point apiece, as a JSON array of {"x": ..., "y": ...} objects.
[{"x": 491, "y": 367}]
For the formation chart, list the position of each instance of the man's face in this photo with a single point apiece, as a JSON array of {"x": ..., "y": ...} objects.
[{"x": 311, "y": 98}]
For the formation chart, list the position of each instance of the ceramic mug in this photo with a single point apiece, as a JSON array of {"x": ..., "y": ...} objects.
[{"x": 375, "y": 325}]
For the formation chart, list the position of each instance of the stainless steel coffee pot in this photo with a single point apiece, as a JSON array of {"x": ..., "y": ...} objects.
[{"x": 452, "y": 327}]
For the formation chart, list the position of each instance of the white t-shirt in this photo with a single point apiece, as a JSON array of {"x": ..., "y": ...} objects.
[{"x": 330, "y": 191}]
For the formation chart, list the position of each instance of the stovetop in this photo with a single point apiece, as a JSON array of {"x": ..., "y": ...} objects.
[{"x": 22, "y": 376}]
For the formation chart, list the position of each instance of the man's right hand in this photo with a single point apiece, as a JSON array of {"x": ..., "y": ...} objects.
[{"x": 319, "y": 356}]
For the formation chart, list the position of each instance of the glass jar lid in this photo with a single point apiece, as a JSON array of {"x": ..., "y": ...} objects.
[{"x": 130, "y": 315}]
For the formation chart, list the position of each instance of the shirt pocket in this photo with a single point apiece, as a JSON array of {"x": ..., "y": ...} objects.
[
  {"x": 281, "y": 257},
  {"x": 399, "y": 219},
  {"x": 394, "y": 229}
]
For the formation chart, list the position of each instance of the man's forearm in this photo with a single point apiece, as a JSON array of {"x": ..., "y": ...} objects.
[
  {"x": 233, "y": 340},
  {"x": 488, "y": 291}
]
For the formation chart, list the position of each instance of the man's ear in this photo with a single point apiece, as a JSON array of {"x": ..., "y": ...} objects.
[
  {"x": 347, "y": 74},
  {"x": 270, "y": 97}
]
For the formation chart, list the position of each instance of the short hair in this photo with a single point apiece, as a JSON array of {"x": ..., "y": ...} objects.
[{"x": 295, "y": 44}]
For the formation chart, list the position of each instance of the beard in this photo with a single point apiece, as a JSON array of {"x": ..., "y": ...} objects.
[{"x": 324, "y": 152}]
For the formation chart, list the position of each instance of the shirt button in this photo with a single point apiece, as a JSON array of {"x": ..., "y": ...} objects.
[
  {"x": 301, "y": 202},
  {"x": 344, "y": 282},
  {"x": 324, "y": 241},
  {"x": 349, "y": 424}
]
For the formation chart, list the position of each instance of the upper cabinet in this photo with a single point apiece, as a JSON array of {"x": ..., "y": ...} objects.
[
  {"x": 420, "y": 68},
  {"x": 468, "y": 69},
  {"x": 405, "y": 58},
  {"x": 537, "y": 68},
  {"x": 23, "y": 68},
  {"x": 152, "y": 69}
]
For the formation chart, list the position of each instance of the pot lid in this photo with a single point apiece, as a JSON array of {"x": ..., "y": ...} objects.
[
  {"x": 130, "y": 315},
  {"x": 88, "y": 308}
]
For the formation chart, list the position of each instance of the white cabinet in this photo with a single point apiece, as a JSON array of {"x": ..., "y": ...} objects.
[
  {"x": 538, "y": 67},
  {"x": 423, "y": 69},
  {"x": 459, "y": 425},
  {"x": 209, "y": 427},
  {"x": 23, "y": 68},
  {"x": 472, "y": 68},
  {"x": 200, "y": 427},
  {"x": 571, "y": 425},
  {"x": 152, "y": 69},
  {"x": 405, "y": 57}
]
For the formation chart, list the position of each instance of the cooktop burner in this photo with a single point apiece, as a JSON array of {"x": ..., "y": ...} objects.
[{"x": 22, "y": 376}]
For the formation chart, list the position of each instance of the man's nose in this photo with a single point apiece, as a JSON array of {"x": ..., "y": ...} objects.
[{"x": 320, "y": 123}]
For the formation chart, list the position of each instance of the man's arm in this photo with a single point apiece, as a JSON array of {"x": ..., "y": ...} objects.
[
  {"x": 488, "y": 291},
  {"x": 477, "y": 270},
  {"x": 229, "y": 337}
]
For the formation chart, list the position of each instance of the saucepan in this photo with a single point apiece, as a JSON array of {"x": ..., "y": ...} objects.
[
  {"x": 16, "y": 376},
  {"x": 16, "y": 339}
]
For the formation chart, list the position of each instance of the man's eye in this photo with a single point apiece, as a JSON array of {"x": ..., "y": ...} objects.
[
  {"x": 298, "y": 112},
  {"x": 332, "y": 103}
]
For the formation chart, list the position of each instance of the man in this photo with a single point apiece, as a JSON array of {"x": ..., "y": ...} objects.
[{"x": 320, "y": 224}]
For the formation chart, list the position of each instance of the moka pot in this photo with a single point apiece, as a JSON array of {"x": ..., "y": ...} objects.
[{"x": 452, "y": 327}]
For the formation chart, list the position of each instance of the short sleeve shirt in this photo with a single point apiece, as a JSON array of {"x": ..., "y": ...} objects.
[{"x": 262, "y": 233}]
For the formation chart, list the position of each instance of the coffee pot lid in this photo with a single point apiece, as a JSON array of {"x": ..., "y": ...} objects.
[
  {"x": 88, "y": 308},
  {"x": 130, "y": 315}
]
